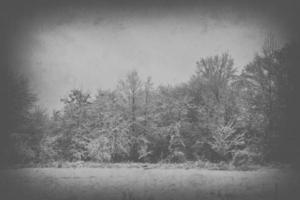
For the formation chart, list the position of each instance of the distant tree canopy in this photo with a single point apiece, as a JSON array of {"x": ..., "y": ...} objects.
[
  {"x": 17, "y": 102},
  {"x": 218, "y": 115}
]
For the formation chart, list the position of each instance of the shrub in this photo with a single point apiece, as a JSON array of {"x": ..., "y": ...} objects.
[
  {"x": 99, "y": 149},
  {"x": 203, "y": 151},
  {"x": 245, "y": 157},
  {"x": 225, "y": 140},
  {"x": 240, "y": 158},
  {"x": 177, "y": 157},
  {"x": 213, "y": 166},
  {"x": 48, "y": 152},
  {"x": 23, "y": 151}
]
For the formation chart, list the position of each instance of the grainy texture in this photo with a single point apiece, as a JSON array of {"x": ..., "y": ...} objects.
[{"x": 139, "y": 183}]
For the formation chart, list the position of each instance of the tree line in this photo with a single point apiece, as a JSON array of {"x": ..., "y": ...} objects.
[{"x": 218, "y": 115}]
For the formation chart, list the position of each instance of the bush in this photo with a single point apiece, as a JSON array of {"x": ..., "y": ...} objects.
[
  {"x": 226, "y": 139},
  {"x": 177, "y": 157},
  {"x": 240, "y": 158},
  {"x": 48, "y": 153},
  {"x": 245, "y": 157},
  {"x": 99, "y": 149},
  {"x": 203, "y": 151},
  {"x": 212, "y": 166},
  {"x": 22, "y": 151}
]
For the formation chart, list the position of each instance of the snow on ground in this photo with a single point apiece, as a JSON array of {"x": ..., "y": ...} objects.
[{"x": 149, "y": 184}]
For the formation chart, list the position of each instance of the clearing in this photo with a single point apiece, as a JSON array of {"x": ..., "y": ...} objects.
[{"x": 149, "y": 184}]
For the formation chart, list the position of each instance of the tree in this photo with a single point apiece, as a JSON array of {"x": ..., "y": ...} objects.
[
  {"x": 73, "y": 140},
  {"x": 18, "y": 100},
  {"x": 214, "y": 99},
  {"x": 211, "y": 91},
  {"x": 27, "y": 142},
  {"x": 217, "y": 115},
  {"x": 288, "y": 98},
  {"x": 110, "y": 134},
  {"x": 217, "y": 73},
  {"x": 147, "y": 104},
  {"x": 131, "y": 91},
  {"x": 268, "y": 80}
]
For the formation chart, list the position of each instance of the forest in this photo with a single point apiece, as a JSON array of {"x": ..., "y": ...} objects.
[{"x": 220, "y": 115}]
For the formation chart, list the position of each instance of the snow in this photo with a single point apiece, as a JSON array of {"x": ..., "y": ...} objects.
[{"x": 154, "y": 184}]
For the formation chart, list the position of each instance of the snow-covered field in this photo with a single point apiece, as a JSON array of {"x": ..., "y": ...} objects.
[{"x": 149, "y": 184}]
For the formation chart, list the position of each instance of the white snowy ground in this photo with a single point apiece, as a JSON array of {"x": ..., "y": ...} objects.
[{"x": 149, "y": 184}]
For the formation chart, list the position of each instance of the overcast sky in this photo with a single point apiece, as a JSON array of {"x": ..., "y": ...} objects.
[{"x": 85, "y": 49}]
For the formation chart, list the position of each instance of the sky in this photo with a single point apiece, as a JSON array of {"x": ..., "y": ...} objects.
[{"x": 93, "y": 49}]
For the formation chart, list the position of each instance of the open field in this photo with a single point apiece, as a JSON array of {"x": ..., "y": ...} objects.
[{"x": 142, "y": 183}]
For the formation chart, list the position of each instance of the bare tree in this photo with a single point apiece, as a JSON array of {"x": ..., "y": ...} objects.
[{"x": 131, "y": 88}]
